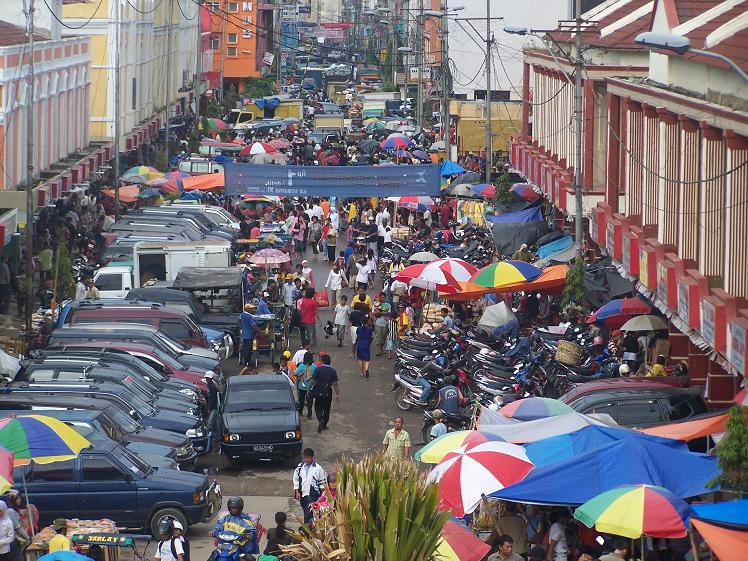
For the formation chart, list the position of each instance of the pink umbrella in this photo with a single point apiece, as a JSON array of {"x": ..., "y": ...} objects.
[
  {"x": 443, "y": 274},
  {"x": 280, "y": 143},
  {"x": 269, "y": 257},
  {"x": 473, "y": 471},
  {"x": 257, "y": 148}
]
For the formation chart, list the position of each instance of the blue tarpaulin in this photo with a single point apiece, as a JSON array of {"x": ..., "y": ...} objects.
[
  {"x": 576, "y": 480},
  {"x": 563, "y": 446},
  {"x": 732, "y": 512},
  {"x": 555, "y": 246},
  {"x": 451, "y": 168},
  {"x": 269, "y": 102},
  {"x": 519, "y": 217}
]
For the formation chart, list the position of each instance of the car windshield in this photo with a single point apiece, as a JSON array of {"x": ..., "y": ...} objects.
[
  {"x": 268, "y": 397},
  {"x": 168, "y": 359},
  {"x": 171, "y": 342},
  {"x": 132, "y": 462}
]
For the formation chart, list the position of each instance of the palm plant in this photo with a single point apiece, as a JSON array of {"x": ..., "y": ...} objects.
[{"x": 384, "y": 511}]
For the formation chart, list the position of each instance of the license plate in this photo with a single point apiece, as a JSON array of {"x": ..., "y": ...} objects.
[{"x": 263, "y": 448}]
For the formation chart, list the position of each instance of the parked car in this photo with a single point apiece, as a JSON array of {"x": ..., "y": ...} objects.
[
  {"x": 109, "y": 418},
  {"x": 259, "y": 419},
  {"x": 108, "y": 481},
  {"x": 188, "y": 425},
  {"x": 637, "y": 402}
]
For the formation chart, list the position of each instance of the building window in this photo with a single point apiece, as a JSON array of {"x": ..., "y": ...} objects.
[
  {"x": 231, "y": 51},
  {"x": 247, "y": 33},
  {"x": 233, "y": 6},
  {"x": 133, "y": 105},
  {"x": 233, "y": 38},
  {"x": 247, "y": 6},
  {"x": 247, "y": 20},
  {"x": 214, "y": 6},
  {"x": 215, "y": 44}
]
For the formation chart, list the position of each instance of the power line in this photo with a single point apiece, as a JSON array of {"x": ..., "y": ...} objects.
[
  {"x": 197, "y": 11},
  {"x": 145, "y": 11},
  {"x": 62, "y": 23}
]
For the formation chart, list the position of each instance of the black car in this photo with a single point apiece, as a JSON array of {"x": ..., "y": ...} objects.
[
  {"x": 259, "y": 419},
  {"x": 109, "y": 419}
]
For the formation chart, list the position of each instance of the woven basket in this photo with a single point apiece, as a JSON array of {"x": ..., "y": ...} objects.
[{"x": 568, "y": 353}]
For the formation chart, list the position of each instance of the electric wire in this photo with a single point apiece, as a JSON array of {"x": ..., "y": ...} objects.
[{"x": 62, "y": 23}]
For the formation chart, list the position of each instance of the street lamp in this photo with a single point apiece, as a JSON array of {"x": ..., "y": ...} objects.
[
  {"x": 579, "y": 65},
  {"x": 682, "y": 45}
]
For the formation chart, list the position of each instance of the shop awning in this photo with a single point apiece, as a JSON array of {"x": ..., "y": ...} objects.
[
  {"x": 207, "y": 182},
  {"x": 730, "y": 512},
  {"x": 522, "y": 432},
  {"x": 728, "y": 545},
  {"x": 690, "y": 430},
  {"x": 127, "y": 194}
]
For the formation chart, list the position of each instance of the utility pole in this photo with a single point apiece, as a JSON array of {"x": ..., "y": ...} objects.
[
  {"x": 30, "y": 178},
  {"x": 198, "y": 70},
  {"x": 489, "y": 129},
  {"x": 222, "y": 14},
  {"x": 276, "y": 38},
  {"x": 445, "y": 80},
  {"x": 419, "y": 62},
  {"x": 393, "y": 42},
  {"x": 579, "y": 64},
  {"x": 117, "y": 115},
  {"x": 167, "y": 104}
]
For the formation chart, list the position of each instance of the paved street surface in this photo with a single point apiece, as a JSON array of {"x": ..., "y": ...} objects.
[{"x": 357, "y": 426}]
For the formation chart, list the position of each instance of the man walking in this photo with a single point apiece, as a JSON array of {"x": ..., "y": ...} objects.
[
  {"x": 212, "y": 403},
  {"x": 325, "y": 381},
  {"x": 397, "y": 441},
  {"x": 308, "y": 479},
  {"x": 248, "y": 333}
]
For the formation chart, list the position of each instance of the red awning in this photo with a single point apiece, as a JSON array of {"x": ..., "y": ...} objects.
[
  {"x": 728, "y": 545},
  {"x": 207, "y": 182},
  {"x": 690, "y": 430}
]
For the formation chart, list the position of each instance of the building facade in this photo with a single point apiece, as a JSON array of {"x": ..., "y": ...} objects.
[
  {"x": 664, "y": 167},
  {"x": 62, "y": 79},
  {"x": 234, "y": 40}
]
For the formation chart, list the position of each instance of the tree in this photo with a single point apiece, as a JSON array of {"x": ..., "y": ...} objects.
[
  {"x": 159, "y": 161},
  {"x": 389, "y": 87},
  {"x": 212, "y": 110},
  {"x": 230, "y": 98},
  {"x": 573, "y": 294},
  {"x": 502, "y": 195},
  {"x": 259, "y": 87},
  {"x": 733, "y": 454},
  {"x": 384, "y": 511},
  {"x": 65, "y": 289}
]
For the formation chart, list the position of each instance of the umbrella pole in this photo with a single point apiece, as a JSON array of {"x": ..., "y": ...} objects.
[
  {"x": 28, "y": 507},
  {"x": 692, "y": 539},
  {"x": 641, "y": 551}
]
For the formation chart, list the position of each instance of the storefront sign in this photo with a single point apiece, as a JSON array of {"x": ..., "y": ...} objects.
[
  {"x": 662, "y": 288},
  {"x": 643, "y": 268},
  {"x": 684, "y": 308},
  {"x": 709, "y": 322},
  {"x": 737, "y": 345}
]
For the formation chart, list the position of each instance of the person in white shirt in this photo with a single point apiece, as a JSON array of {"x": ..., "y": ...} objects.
[
  {"x": 80, "y": 290},
  {"x": 378, "y": 218},
  {"x": 298, "y": 356},
  {"x": 308, "y": 483},
  {"x": 335, "y": 280},
  {"x": 385, "y": 232},
  {"x": 362, "y": 276},
  {"x": 439, "y": 428},
  {"x": 557, "y": 547},
  {"x": 317, "y": 211},
  {"x": 169, "y": 548},
  {"x": 342, "y": 311},
  {"x": 334, "y": 218},
  {"x": 386, "y": 215}
]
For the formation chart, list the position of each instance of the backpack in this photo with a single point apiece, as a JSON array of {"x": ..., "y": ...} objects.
[{"x": 185, "y": 547}]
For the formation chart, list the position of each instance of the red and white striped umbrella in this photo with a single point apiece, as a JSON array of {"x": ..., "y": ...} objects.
[
  {"x": 443, "y": 274},
  {"x": 476, "y": 470},
  {"x": 257, "y": 148}
]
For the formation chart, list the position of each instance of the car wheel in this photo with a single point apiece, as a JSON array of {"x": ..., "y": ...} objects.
[{"x": 159, "y": 515}]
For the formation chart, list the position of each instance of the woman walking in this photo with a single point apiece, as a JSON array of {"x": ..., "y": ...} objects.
[
  {"x": 364, "y": 337},
  {"x": 304, "y": 381}
]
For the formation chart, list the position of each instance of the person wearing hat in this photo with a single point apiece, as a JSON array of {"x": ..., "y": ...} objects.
[
  {"x": 261, "y": 303},
  {"x": 523, "y": 254},
  {"x": 212, "y": 402},
  {"x": 248, "y": 332},
  {"x": 439, "y": 427},
  {"x": 60, "y": 542},
  {"x": 178, "y": 535},
  {"x": 307, "y": 273}
]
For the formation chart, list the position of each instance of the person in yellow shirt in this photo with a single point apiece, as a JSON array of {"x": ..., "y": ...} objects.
[
  {"x": 658, "y": 369},
  {"x": 60, "y": 542},
  {"x": 352, "y": 212}
]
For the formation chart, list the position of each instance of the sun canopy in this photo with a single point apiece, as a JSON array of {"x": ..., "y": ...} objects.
[
  {"x": 728, "y": 545},
  {"x": 577, "y": 479},
  {"x": 552, "y": 278},
  {"x": 731, "y": 512},
  {"x": 206, "y": 278},
  {"x": 207, "y": 182},
  {"x": 522, "y": 432},
  {"x": 690, "y": 430},
  {"x": 556, "y": 448},
  {"x": 497, "y": 317},
  {"x": 555, "y": 246},
  {"x": 521, "y": 216},
  {"x": 127, "y": 194}
]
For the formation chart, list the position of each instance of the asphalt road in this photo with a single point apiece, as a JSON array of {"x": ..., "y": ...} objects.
[{"x": 357, "y": 424}]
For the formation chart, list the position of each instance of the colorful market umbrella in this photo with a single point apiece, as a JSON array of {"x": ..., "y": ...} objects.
[
  {"x": 525, "y": 191},
  {"x": 216, "y": 124},
  {"x": 395, "y": 141},
  {"x": 280, "y": 143},
  {"x": 257, "y": 148},
  {"x": 644, "y": 323},
  {"x": 375, "y": 126},
  {"x": 617, "y": 312},
  {"x": 40, "y": 438},
  {"x": 473, "y": 471},
  {"x": 442, "y": 274},
  {"x": 451, "y": 168},
  {"x": 6, "y": 470},
  {"x": 423, "y": 257},
  {"x": 633, "y": 511},
  {"x": 417, "y": 203},
  {"x": 504, "y": 273},
  {"x": 533, "y": 408},
  {"x": 421, "y": 155},
  {"x": 482, "y": 188},
  {"x": 269, "y": 257},
  {"x": 148, "y": 193},
  {"x": 434, "y": 451},
  {"x": 143, "y": 173},
  {"x": 460, "y": 544}
]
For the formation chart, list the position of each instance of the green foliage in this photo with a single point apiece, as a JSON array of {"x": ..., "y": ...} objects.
[
  {"x": 230, "y": 98},
  {"x": 259, "y": 87},
  {"x": 213, "y": 110},
  {"x": 159, "y": 161},
  {"x": 389, "y": 87},
  {"x": 573, "y": 294},
  {"x": 65, "y": 280},
  {"x": 732, "y": 452},
  {"x": 384, "y": 511},
  {"x": 502, "y": 195}
]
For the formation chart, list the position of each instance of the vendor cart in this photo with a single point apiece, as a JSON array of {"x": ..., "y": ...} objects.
[
  {"x": 264, "y": 337},
  {"x": 111, "y": 543},
  {"x": 39, "y": 545}
]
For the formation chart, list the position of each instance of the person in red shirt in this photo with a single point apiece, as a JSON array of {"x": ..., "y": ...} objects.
[
  {"x": 309, "y": 311},
  {"x": 254, "y": 233}
]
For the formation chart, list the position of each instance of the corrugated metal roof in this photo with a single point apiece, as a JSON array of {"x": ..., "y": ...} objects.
[{"x": 11, "y": 34}]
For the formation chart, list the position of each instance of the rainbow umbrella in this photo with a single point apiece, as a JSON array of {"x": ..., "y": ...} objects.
[
  {"x": 505, "y": 273},
  {"x": 525, "y": 191},
  {"x": 216, "y": 124},
  {"x": 533, "y": 408},
  {"x": 636, "y": 510},
  {"x": 434, "y": 451},
  {"x": 6, "y": 470},
  {"x": 442, "y": 274},
  {"x": 40, "y": 438},
  {"x": 458, "y": 543},
  {"x": 375, "y": 126},
  {"x": 617, "y": 312},
  {"x": 140, "y": 174},
  {"x": 396, "y": 141},
  {"x": 482, "y": 188}
]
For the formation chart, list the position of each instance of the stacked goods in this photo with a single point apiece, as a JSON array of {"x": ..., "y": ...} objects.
[
  {"x": 432, "y": 313},
  {"x": 401, "y": 233},
  {"x": 75, "y": 526}
]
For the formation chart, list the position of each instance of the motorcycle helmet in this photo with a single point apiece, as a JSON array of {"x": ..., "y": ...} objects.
[
  {"x": 441, "y": 360},
  {"x": 235, "y": 502},
  {"x": 457, "y": 348},
  {"x": 166, "y": 527},
  {"x": 624, "y": 369},
  {"x": 597, "y": 340}
]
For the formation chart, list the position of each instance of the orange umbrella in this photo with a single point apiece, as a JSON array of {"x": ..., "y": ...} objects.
[
  {"x": 690, "y": 430},
  {"x": 127, "y": 194},
  {"x": 207, "y": 182},
  {"x": 727, "y": 544}
]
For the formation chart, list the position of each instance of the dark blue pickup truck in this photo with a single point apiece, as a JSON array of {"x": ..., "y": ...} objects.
[{"x": 110, "y": 482}]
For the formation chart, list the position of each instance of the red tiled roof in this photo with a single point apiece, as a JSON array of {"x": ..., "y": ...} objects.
[
  {"x": 734, "y": 47},
  {"x": 11, "y": 34}
]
